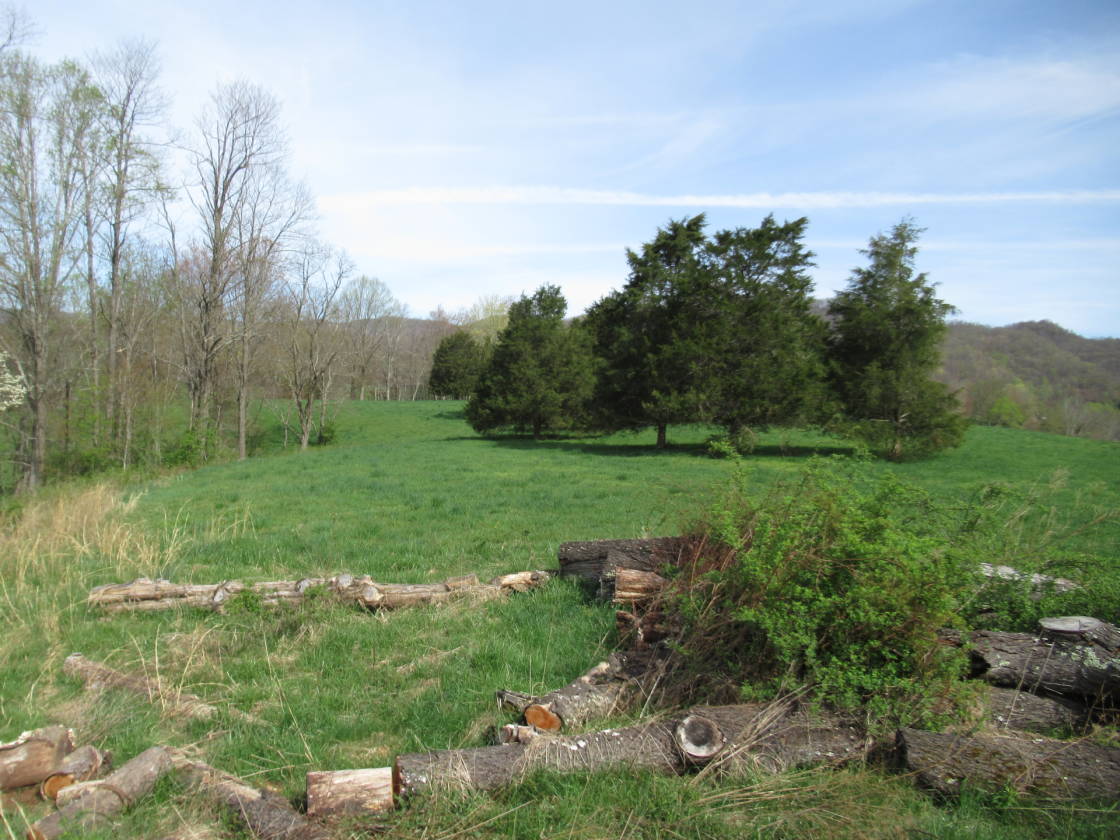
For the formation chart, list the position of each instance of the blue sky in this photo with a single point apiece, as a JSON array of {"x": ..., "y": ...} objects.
[{"x": 478, "y": 148}]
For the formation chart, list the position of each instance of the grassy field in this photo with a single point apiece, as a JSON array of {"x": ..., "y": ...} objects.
[{"x": 407, "y": 493}]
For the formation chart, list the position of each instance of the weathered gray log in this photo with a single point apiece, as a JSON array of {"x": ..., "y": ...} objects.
[
  {"x": 97, "y": 675},
  {"x": 1047, "y": 665},
  {"x": 148, "y": 595},
  {"x": 604, "y": 689},
  {"x": 1082, "y": 630},
  {"x": 592, "y": 560},
  {"x": 102, "y": 799},
  {"x": 267, "y": 815},
  {"x": 81, "y": 765},
  {"x": 634, "y": 587},
  {"x": 752, "y": 735},
  {"x": 33, "y": 756},
  {"x": 355, "y": 792},
  {"x": 1039, "y": 583},
  {"x": 1042, "y": 767},
  {"x": 1014, "y": 709}
]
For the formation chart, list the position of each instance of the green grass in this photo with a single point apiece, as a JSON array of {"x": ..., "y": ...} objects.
[{"x": 407, "y": 493}]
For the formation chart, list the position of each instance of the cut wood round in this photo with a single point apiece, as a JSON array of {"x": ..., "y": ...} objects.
[
  {"x": 1031, "y": 713},
  {"x": 1082, "y": 629},
  {"x": 699, "y": 739},
  {"x": 101, "y": 799},
  {"x": 81, "y": 765},
  {"x": 1042, "y": 767},
  {"x": 33, "y": 756},
  {"x": 336, "y": 792},
  {"x": 634, "y": 587}
]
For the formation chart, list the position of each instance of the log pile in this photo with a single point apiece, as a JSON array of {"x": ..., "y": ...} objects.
[
  {"x": 144, "y": 594},
  {"x": 599, "y": 562},
  {"x": 34, "y": 756}
]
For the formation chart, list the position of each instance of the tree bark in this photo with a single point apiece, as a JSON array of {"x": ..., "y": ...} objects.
[
  {"x": 1043, "y": 767},
  {"x": 267, "y": 815},
  {"x": 604, "y": 689},
  {"x": 1030, "y": 713},
  {"x": 81, "y": 765},
  {"x": 145, "y": 594},
  {"x": 33, "y": 756},
  {"x": 100, "y": 800},
  {"x": 97, "y": 675},
  {"x": 762, "y": 735},
  {"x": 599, "y": 558},
  {"x": 339, "y": 792}
]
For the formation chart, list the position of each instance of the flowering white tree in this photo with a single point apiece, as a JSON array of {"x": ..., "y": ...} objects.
[{"x": 12, "y": 391}]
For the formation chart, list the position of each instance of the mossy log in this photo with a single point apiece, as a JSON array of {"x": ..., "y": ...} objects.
[
  {"x": 1041, "y": 767},
  {"x": 146, "y": 595},
  {"x": 756, "y": 735},
  {"x": 81, "y": 765},
  {"x": 1021, "y": 710},
  {"x": 333, "y": 793},
  {"x": 33, "y": 756},
  {"x": 604, "y": 689},
  {"x": 267, "y": 815},
  {"x": 98, "y": 801},
  {"x": 1066, "y": 661}
]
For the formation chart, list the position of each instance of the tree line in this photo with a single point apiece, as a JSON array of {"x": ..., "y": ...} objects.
[{"x": 721, "y": 329}]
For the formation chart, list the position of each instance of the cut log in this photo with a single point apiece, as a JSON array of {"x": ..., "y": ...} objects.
[
  {"x": 267, "y": 815},
  {"x": 1042, "y": 767},
  {"x": 100, "y": 800},
  {"x": 145, "y": 594},
  {"x": 1082, "y": 630},
  {"x": 604, "y": 689},
  {"x": 592, "y": 560},
  {"x": 97, "y": 675},
  {"x": 1030, "y": 713},
  {"x": 1055, "y": 665},
  {"x": 634, "y": 587},
  {"x": 33, "y": 756},
  {"x": 338, "y": 792},
  {"x": 1039, "y": 583},
  {"x": 81, "y": 765},
  {"x": 752, "y": 735}
]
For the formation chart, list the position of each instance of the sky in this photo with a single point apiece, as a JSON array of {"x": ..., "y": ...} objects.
[{"x": 463, "y": 149}]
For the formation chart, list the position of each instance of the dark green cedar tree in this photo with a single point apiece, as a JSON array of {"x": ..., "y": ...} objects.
[{"x": 456, "y": 366}]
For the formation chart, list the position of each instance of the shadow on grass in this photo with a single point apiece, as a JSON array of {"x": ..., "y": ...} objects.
[{"x": 635, "y": 450}]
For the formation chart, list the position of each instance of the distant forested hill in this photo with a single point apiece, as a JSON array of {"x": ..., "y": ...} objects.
[{"x": 1036, "y": 375}]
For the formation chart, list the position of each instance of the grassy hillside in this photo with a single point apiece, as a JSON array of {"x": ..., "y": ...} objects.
[{"x": 408, "y": 493}]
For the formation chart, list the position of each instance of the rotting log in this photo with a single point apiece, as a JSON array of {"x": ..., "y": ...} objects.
[
  {"x": 33, "y": 756},
  {"x": 148, "y": 595},
  {"x": 333, "y": 793},
  {"x": 81, "y": 765},
  {"x": 759, "y": 735},
  {"x": 100, "y": 800},
  {"x": 1067, "y": 663},
  {"x": 97, "y": 675},
  {"x": 592, "y": 560},
  {"x": 1043, "y": 767},
  {"x": 268, "y": 816},
  {"x": 1013, "y": 709},
  {"x": 604, "y": 689}
]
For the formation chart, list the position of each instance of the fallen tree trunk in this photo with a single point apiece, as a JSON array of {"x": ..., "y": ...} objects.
[
  {"x": 1028, "y": 712},
  {"x": 604, "y": 689},
  {"x": 767, "y": 736},
  {"x": 1043, "y": 767},
  {"x": 33, "y": 756},
  {"x": 1070, "y": 663},
  {"x": 147, "y": 595},
  {"x": 267, "y": 815},
  {"x": 339, "y": 792},
  {"x": 81, "y": 765},
  {"x": 97, "y": 675},
  {"x": 100, "y": 800},
  {"x": 597, "y": 559}
]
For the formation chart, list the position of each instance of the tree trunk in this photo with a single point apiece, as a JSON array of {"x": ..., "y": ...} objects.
[
  {"x": 1042, "y": 767},
  {"x": 762, "y": 735},
  {"x": 81, "y": 765},
  {"x": 33, "y": 756},
  {"x": 339, "y": 792},
  {"x": 148, "y": 595},
  {"x": 662, "y": 436},
  {"x": 599, "y": 559},
  {"x": 267, "y": 815},
  {"x": 1028, "y": 712},
  {"x": 100, "y": 800}
]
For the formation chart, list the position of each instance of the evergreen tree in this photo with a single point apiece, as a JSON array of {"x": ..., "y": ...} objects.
[
  {"x": 885, "y": 347},
  {"x": 540, "y": 374},
  {"x": 456, "y": 366}
]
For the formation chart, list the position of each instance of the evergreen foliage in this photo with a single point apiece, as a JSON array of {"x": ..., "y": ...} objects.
[
  {"x": 541, "y": 373},
  {"x": 887, "y": 331},
  {"x": 456, "y": 366}
]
